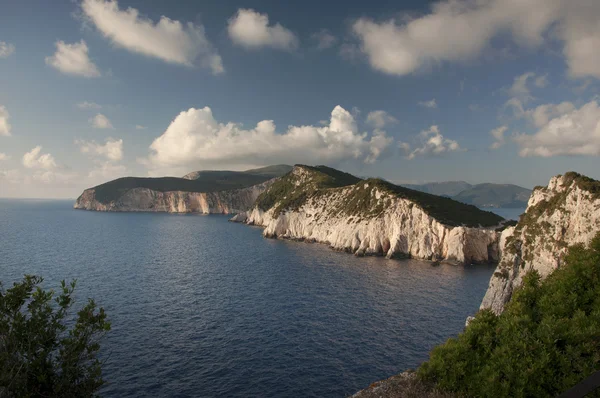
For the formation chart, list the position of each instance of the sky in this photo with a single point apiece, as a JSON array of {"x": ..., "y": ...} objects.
[{"x": 502, "y": 91}]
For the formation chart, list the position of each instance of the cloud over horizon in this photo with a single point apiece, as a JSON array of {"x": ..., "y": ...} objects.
[
  {"x": 195, "y": 140},
  {"x": 432, "y": 143},
  {"x": 563, "y": 130}
]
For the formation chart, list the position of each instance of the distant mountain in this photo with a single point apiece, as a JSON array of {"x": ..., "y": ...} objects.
[
  {"x": 447, "y": 188},
  {"x": 206, "y": 191},
  {"x": 495, "y": 195},
  {"x": 480, "y": 195},
  {"x": 269, "y": 171}
]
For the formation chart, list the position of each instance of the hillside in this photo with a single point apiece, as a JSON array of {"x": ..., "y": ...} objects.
[
  {"x": 480, "y": 195},
  {"x": 373, "y": 217},
  {"x": 495, "y": 195},
  {"x": 208, "y": 191},
  {"x": 268, "y": 171},
  {"x": 445, "y": 188}
]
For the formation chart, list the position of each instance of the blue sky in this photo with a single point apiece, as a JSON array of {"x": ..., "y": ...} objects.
[{"x": 92, "y": 90}]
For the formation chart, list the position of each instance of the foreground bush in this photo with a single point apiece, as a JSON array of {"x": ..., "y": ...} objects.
[
  {"x": 546, "y": 341},
  {"x": 45, "y": 350}
]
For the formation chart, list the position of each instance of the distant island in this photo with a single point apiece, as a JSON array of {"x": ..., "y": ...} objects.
[
  {"x": 481, "y": 195},
  {"x": 321, "y": 204}
]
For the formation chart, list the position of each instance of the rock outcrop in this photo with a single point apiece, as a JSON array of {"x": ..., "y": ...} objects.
[
  {"x": 149, "y": 200},
  {"x": 564, "y": 213},
  {"x": 373, "y": 217}
]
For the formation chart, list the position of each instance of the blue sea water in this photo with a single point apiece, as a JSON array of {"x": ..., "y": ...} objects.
[{"x": 201, "y": 307}]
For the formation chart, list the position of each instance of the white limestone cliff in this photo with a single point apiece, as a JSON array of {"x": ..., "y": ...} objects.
[
  {"x": 147, "y": 200},
  {"x": 400, "y": 228},
  {"x": 564, "y": 213}
]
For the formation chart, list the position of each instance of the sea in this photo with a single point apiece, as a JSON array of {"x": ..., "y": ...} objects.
[{"x": 201, "y": 307}]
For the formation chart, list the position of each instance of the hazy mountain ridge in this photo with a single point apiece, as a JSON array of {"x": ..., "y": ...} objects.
[{"x": 480, "y": 195}]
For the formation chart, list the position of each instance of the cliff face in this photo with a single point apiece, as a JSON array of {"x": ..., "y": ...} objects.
[
  {"x": 564, "y": 213},
  {"x": 366, "y": 218},
  {"x": 144, "y": 199}
]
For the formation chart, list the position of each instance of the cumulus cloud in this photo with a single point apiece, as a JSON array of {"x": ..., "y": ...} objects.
[
  {"x": 88, "y": 105},
  {"x": 4, "y": 156},
  {"x": 73, "y": 59},
  {"x": 250, "y": 29},
  {"x": 4, "y": 125},
  {"x": 461, "y": 30},
  {"x": 432, "y": 143},
  {"x": 100, "y": 122},
  {"x": 519, "y": 87},
  {"x": 6, "y": 49},
  {"x": 498, "y": 134},
  {"x": 324, "y": 39},
  {"x": 34, "y": 159},
  {"x": 106, "y": 171},
  {"x": 111, "y": 150},
  {"x": 167, "y": 39},
  {"x": 194, "y": 139},
  {"x": 380, "y": 119},
  {"x": 429, "y": 104},
  {"x": 573, "y": 132}
]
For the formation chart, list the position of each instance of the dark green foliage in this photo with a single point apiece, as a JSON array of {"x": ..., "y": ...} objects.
[
  {"x": 276, "y": 170},
  {"x": 44, "y": 349},
  {"x": 361, "y": 201},
  {"x": 207, "y": 182},
  {"x": 287, "y": 195},
  {"x": 445, "y": 210},
  {"x": 546, "y": 341}
]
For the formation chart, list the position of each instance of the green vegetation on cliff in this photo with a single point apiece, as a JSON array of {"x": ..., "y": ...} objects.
[
  {"x": 198, "y": 181},
  {"x": 293, "y": 190},
  {"x": 289, "y": 192},
  {"x": 546, "y": 341}
]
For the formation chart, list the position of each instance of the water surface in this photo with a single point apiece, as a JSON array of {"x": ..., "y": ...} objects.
[{"x": 203, "y": 307}]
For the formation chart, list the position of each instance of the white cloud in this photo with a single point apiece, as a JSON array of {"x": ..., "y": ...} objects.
[
  {"x": 380, "y": 119},
  {"x": 540, "y": 115},
  {"x": 73, "y": 59},
  {"x": 429, "y": 104},
  {"x": 168, "y": 40},
  {"x": 100, "y": 122},
  {"x": 519, "y": 88},
  {"x": 251, "y": 30},
  {"x": 432, "y": 143},
  {"x": 196, "y": 140},
  {"x": 140, "y": 127},
  {"x": 4, "y": 125},
  {"x": 324, "y": 39},
  {"x": 35, "y": 160},
  {"x": 88, "y": 105},
  {"x": 462, "y": 30},
  {"x": 498, "y": 134},
  {"x": 106, "y": 171},
  {"x": 4, "y": 156},
  {"x": 6, "y": 49},
  {"x": 112, "y": 150},
  {"x": 574, "y": 132}
]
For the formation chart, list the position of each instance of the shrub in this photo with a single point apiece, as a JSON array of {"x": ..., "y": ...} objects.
[
  {"x": 546, "y": 341},
  {"x": 45, "y": 350}
]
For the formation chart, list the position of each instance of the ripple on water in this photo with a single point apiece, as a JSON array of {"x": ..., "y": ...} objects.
[{"x": 203, "y": 307}]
